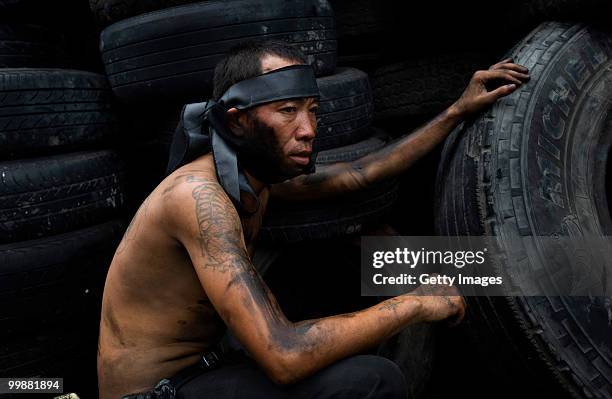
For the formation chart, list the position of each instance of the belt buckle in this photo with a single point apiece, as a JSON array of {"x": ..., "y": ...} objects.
[{"x": 209, "y": 360}]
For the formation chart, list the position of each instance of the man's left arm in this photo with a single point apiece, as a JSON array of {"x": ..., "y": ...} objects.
[{"x": 398, "y": 155}]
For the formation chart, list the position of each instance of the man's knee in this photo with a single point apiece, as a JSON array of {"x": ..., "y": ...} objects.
[{"x": 365, "y": 377}]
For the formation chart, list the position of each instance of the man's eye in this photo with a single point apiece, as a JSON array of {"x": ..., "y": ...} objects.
[
  {"x": 289, "y": 109},
  {"x": 314, "y": 110}
]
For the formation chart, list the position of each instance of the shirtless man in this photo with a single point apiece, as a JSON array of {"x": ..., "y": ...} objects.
[{"x": 182, "y": 273}]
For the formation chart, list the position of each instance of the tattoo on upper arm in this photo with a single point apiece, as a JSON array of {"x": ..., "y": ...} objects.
[
  {"x": 170, "y": 188},
  {"x": 220, "y": 234}
]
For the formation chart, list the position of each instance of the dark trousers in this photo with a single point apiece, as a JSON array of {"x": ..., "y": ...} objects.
[{"x": 357, "y": 377}]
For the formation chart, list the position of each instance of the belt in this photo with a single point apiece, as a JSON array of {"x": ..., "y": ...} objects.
[{"x": 167, "y": 387}]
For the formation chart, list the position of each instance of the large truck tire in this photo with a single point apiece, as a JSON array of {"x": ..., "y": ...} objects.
[
  {"x": 52, "y": 195},
  {"x": 171, "y": 54},
  {"x": 537, "y": 164},
  {"x": 46, "y": 111}
]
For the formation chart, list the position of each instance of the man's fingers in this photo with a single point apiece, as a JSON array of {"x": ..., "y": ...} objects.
[
  {"x": 501, "y": 91},
  {"x": 514, "y": 67},
  {"x": 501, "y": 75},
  {"x": 520, "y": 75},
  {"x": 516, "y": 74},
  {"x": 512, "y": 76}
]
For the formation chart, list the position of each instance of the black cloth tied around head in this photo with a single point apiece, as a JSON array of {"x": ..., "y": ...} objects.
[{"x": 202, "y": 126}]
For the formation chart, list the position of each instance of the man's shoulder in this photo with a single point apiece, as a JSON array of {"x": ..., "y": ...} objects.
[
  {"x": 184, "y": 187},
  {"x": 190, "y": 189},
  {"x": 180, "y": 183}
]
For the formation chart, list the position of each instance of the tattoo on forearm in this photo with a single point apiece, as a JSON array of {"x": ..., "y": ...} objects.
[
  {"x": 448, "y": 301},
  {"x": 391, "y": 304}
]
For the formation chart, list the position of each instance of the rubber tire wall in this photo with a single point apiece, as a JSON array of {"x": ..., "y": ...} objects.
[
  {"x": 107, "y": 12},
  {"x": 53, "y": 195},
  {"x": 30, "y": 46},
  {"x": 55, "y": 279},
  {"x": 171, "y": 54},
  {"x": 420, "y": 88},
  {"x": 345, "y": 108},
  {"x": 52, "y": 292},
  {"x": 45, "y": 111},
  {"x": 534, "y": 164}
]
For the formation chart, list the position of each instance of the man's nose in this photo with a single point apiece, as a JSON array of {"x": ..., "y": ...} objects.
[{"x": 307, "y": 127}]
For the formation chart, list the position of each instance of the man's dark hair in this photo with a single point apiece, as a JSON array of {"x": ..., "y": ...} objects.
[{"x": 244, "y": 62}]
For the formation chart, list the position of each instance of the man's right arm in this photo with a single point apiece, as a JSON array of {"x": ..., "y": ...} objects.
[{"x": 208, "y": 226}]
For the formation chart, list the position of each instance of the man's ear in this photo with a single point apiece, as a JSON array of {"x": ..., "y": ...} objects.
[{"x": 236, "y": 120}]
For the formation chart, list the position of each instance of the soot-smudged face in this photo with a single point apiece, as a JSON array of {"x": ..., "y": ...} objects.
[{"x": 277, "y": 146}]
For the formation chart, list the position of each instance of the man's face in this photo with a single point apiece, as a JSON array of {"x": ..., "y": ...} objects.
[{"x": 286, "y": 129}]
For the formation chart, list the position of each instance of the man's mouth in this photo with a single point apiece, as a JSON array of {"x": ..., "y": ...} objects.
[{"x": 301, "y": 158}]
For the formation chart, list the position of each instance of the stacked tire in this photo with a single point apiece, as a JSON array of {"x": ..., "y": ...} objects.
[{"x": 61, "y": 190}]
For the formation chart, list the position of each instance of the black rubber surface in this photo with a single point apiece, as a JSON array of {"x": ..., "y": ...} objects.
[
  {"x": 345, "y": 108},
  {"x": 563, "y": 10},
  {"x": 30, "y": 46},
  {"x": 347, "y": 214},
  {"x": 361, "y": 30},
  {"x": 45, "y": 111},
  {"x": 171, "y": 54},
  {"x": 354, "y": 151},
  {"x": 107, "y": 12},
  {"x": 535, "y": 164},
  {"x": 9, "y": 5},
  {"x": 52, "y": 195},
  {"x": 423, "y": 87},
  {"x": 56, "y": 279}
]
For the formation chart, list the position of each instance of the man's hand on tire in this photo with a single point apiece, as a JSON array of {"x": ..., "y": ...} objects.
[
  {"x": 441, "y": 302},
  {"x": 487, "y": 86}
]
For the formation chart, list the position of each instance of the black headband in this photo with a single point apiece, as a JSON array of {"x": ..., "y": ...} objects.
[
  {"x": 294, "y": 81},
  {"x": 202, "y": 126}
]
